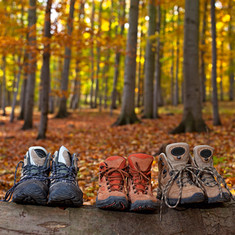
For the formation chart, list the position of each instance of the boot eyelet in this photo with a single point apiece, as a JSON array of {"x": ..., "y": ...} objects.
[{"x": 164, "y": 171}]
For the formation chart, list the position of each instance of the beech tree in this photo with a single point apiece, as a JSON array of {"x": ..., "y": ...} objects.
[
  {"x": 150, "y": 62},
  {"x": 216, "y": 118},
  {"x": 128, "y": 115},
  {"x": 192, "y": 116},
  {"x": 65, "y": 74},
  {"x": 29, "y": 100},
  {"x": 45, "y": 74}
]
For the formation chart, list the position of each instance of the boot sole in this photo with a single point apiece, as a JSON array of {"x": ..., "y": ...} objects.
[
  {"x": 112, "y": 203},
  {"x": 29, "y": 198},
  {"x": 143, "y": 205},
  {"x": 65, "y": 203},
  {"x": 225, "y": 198},
  {"x": 196, "y": 198}
]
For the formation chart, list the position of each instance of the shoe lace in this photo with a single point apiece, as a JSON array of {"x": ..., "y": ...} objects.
[
  {"x": 210, "y": 177},
  {"x": 183, "y": 176},
  {"x": 60, "y": 172},
  {"x": 113, "y": 178},
  {"x": 140, "y": 179},
  {"x": 28, "y": 172}
]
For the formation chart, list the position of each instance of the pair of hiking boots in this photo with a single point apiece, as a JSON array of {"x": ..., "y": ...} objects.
[
  {"x": 37, "y": 186},
  {"x": 185, "y": 179},
  {"x": 123, "y": 186},
  {"x": 181, "y": 180}
]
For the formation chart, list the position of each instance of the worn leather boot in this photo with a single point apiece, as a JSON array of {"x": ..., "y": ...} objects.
[
  {"x": 139, "y": 183},
  {"x": 175, "y": 177},
  {"x": 112, "y": 182},
  {"x": 208, "y": 175}
]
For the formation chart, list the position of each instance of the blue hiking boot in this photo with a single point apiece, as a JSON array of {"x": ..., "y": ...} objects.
[
  {"x": 64, "y": 189},
  {"x": 34, "y": 183}
]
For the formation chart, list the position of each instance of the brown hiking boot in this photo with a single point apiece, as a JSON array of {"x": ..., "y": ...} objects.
[
  {"x": 208, "y": 175},
  {"x": 112, "y": 192},
  {"x": 139, "y": 183},
  {"x": 175, "y": 177}
]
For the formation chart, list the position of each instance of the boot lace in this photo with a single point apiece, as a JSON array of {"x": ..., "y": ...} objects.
[
  {"x": 29, "y": 172},
  {"x": 184, "y": 179},
  {"x": 113, "y": 178},
  {"x": 62, "y": 173},
  {"x": 210, "y": 177},
  {"x": 140, "y": 179}
]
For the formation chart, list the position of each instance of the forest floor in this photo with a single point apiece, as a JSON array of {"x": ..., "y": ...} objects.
[{"x": 89, "y": 133}]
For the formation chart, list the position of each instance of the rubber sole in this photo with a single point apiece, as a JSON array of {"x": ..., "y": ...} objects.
[
  {"x": 112, "y": 203},
  {"x": 195, "y": 198},
  {"x": 225, "y": 198},
  {"x": 65, "y": 203},
  {"x": 143, "y": 205}
]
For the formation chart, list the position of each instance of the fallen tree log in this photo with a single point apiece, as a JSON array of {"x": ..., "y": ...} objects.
[{"x": 26, "y": 219}]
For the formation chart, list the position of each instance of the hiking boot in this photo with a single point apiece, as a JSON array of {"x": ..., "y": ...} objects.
[
  {"x": 139, "y": 183},
  {"x": 175, "y": 177},
  {"x": 112, "y": 192},
  {"x": 64, "y": 189},
  {"x": 33, "y": 185},
  {"x": 208, "y": 175}
]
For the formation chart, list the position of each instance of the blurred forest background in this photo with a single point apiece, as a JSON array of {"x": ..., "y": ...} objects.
[{"x": 76, "y": 72}]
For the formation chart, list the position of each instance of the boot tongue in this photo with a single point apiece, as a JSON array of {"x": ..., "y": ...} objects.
[
  {"x": 36, "y": 156},
  {"x": 177, "y": 155},
  {"x": 140, "y": 161},
  {"x": 115, "y": 162},
  {"x": 203, "y": 156},
  {"x": 64, "y": 156}
]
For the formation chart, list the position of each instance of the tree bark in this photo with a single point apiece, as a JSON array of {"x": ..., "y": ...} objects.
[
  {"x": 98, "y": 44},
  {"x": 231, "y": 58},
  {"x": 150, "y": 62},
  {"x": 117, "y": 59},
  {"x": 45, "y": 74},
  {"x": 216, "y": 117},
  {"x": 157, "y": 84},
  {"x": 206, "y": 219},
  {"x": 176, "y": 90},
  {"x": 202, "y": 54},
  {"x": 92, "y": 54},
  {"x": 75, "y": 101},
  {"x": 128, "y": 115},
  {"x": 4, "y": 86},
  {"x": 62, "y": 113},
  {"x": 192, "y": 116},
  {"x": 29, "y": 102},
  {"x": 15, "y": 93},
  {"x": 221, "y": 73}
]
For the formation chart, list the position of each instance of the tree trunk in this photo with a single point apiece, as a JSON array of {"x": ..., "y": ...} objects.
[
  {"x": 45, "y": 74},
  {"x": 62, "y": 113},
  {"x": 216, "y": 118},
  {"x": 98, "y": 45},
  {"x": 221, "y": 73},
  {"x": 117, "y": 58},
  {"x": 4, "y": 86},
  {"x": 92, "y": 53},
  {"x": 75, "y": 101},
  {"x": 157, "y": 84},
  {"x": 29, "y": 102},
  {"x": 207, "y": 219},
  {"x": 150, "y": 62},
  {"x": 192, "y": 116},
  {"x": 176, "y": 90},
  {"x": 128, "y": 115},
  {"x": 15, "y": 93},
  {"x": 23, "y": 89},
  {"x": 106, "y": 67},
  {"x": 231, "y": 58},
  {"x": 140, "y": 69},
  {"x": 203, "y": 43}
]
